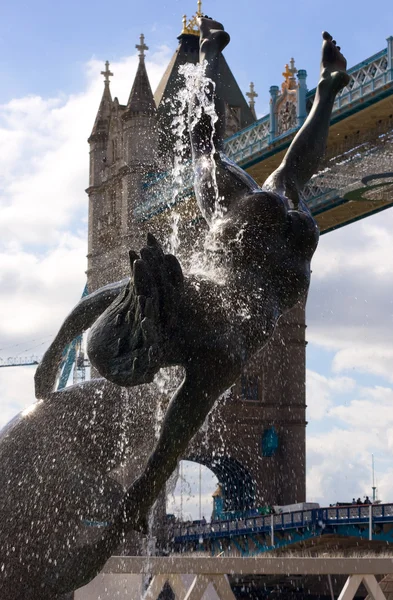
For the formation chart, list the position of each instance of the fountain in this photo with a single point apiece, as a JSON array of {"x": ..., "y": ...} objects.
[{"x": 56, "y": 457}]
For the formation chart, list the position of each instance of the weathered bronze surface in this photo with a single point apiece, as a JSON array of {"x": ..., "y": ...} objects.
[{"x": 56, "y": 459}]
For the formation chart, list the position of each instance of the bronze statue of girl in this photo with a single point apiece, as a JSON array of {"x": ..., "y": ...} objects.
[{"x": 162, "y": 317}]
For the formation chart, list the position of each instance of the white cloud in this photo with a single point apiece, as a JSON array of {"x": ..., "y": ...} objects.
[
  {"x": 44, "y": 160},
  {"x": 193, "y": 492},
  {"x": 350, "y": 306},
  {"x": 43, "y": 177},
  {"x": 385, "y": 484},
  {"x": 43, "y": 208},
  {"x": 350, "y": 313},
  {"x": 338, "y": 465},
  {"x": 16, "y": 387},
  {"x": 37, "y": 290},
  {"x": 339, "y": 458},
  {"x": 44, "y": 170},
  {"x": 373, "y": 412},
  {"x": 369, "y": 358},
  {"x": 319, "y": 390}
]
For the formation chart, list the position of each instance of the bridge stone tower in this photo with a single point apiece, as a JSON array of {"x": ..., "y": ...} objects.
[
  {"x": 254, "y": 440},
  {"x": 123, "y": 146}
]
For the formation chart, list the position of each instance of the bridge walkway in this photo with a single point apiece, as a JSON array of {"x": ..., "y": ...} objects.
[{"x": 259, "y": 534}]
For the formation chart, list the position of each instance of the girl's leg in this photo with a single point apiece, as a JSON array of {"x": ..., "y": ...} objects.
[{"x": 305, "y": 154}]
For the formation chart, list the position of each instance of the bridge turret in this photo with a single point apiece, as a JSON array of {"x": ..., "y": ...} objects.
[
  {"x": 98, "y": 139},
  {"x": 139, "y": 117},
  {"x": 390, "y": 56},
  {"x": 301, "y": 112},
  {"x": 251, "y": 95},
  {"x": 140, "y": 145},
  {"x": 273, "y": 117}
]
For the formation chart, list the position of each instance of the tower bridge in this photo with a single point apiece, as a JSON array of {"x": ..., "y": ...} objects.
[
  {"x": 354, "y": 527},
  {"x": 255, "y": 440},
  {"x": 357, "y": 178},
  {"x": 131, "y": 153},
  {"x": 355, "y": 181},
  {"x": 129, "y": 161},
  {"x": 358, "y": 175}
]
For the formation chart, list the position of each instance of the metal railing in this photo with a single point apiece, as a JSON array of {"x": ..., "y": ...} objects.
[
  {"x": 366, "y": 78},
  {"x": 19, "y": 361},
  {"x": 369, "y": 78},
  {"x": 189, "y": 577},
  {"x": 319, "y": 517},
  {"x": 250, "y": 141}
]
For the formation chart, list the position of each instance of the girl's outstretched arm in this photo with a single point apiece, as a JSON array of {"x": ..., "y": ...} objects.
[{"x": 80, "y": 318}]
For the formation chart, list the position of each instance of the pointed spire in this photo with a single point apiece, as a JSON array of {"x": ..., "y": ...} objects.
[
  {"x": 141, "y": 97},
  {"x": 289, "y": 76},
  {"x": 101, "y": 124},
  {"x": 141, "y": 47},
  {"x": 107, "y": 73},
  {"x": 252, "y": 95},
  {"x": 192, "y": 27}
]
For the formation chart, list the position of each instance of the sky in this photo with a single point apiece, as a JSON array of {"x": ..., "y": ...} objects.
[{"x": 51, "y": 56}]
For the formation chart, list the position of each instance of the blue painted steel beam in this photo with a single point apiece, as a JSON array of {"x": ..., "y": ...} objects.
[
  {"x": 243, "y": 550},
  {"x": 290, "y": 528},
  {"x": 287, "y": 137},
  {"x": 69, "y": 356}
]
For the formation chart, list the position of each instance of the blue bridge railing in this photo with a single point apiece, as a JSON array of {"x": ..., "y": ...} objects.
[
  {"x": 319, "y": 518},
  {"x": 370, "y": 80}
]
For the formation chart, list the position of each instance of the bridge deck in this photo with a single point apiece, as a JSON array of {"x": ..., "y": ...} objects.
[
  {"x": 277, "y": 531},
  {"x": 357, "y": 178},
  {"x": 361, "y": 122}
]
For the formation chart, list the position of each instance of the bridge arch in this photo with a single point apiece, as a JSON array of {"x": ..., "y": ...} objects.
[{"x": 236, "y": 482}]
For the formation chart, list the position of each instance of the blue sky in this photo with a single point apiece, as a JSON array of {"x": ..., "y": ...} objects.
[
  {"x": 51, "y": 56},
  {"x": 43, "y": 45}
]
